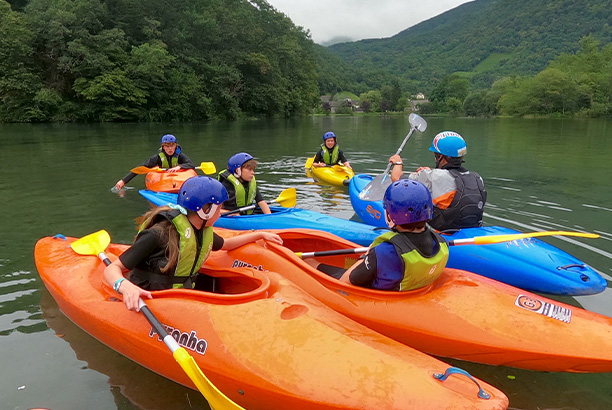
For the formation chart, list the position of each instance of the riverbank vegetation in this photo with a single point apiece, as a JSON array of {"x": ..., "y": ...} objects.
[{"x": 142, "y": 60}]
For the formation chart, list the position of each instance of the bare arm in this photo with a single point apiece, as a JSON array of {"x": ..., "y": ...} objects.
[
  {"x": 131, "y": 293},
  {"x": 239, "y": 240}
]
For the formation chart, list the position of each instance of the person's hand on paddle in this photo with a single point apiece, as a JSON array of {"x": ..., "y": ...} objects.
[
  {"x": 396, "y": 167},
  {"x": 113, "y": 274},
  {"x": 174, "y": 169},
  {"x": 319, "y": 164}
]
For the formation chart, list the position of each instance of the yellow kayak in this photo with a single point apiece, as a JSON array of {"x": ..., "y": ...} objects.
[{"x": 333, "y": 175}]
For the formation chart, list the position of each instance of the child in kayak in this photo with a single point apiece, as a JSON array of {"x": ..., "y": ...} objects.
[
  {"x": 330, "y": 153},
  {"x": 239, "y": 180},
  {"x": 174, "y": 242},
  {"x": 169, "y": 156},
  {"x": 410, "y": 256},
  {"x": 458, "y": 194}
]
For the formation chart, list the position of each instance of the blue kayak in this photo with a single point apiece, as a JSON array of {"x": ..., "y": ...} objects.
[
  {"x": 527, "y": 263},
  {"x": 282, "y": 218}
]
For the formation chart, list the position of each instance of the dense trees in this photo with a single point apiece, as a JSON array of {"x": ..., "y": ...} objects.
[{"x": 151, "y": 60}]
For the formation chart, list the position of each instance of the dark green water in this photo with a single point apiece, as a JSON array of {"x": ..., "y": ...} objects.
[{"x": 540, "y": 174}]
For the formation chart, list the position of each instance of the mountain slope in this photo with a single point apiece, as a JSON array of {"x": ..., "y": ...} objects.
[{"x": 486, "y": 39}]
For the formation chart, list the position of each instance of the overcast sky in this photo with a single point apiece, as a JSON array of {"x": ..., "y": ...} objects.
[{"x": 359, "y": 19}]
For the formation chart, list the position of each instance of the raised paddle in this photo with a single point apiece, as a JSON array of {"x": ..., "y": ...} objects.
[
  {"x": 375, "y": 190},
  {"x": 206, "y": 167},
  {"x": 478, "y": 240},
  {"x": 286, "y": 199},
  {"x": 95, "y": 244}
]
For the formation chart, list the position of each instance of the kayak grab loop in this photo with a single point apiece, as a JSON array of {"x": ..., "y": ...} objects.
[
  {"x": 455, "y": 370},
  {"x": 572, "y": 265}
]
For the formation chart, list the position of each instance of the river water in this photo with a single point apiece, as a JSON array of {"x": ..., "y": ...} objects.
[{"x": 540, "y": 175}]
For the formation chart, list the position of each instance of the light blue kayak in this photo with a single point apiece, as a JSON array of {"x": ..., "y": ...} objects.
[
  {"x": 528, "y": 263},
  {"x": 282, "y": 218}
]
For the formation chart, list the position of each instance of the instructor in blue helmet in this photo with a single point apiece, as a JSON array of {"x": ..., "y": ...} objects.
[
  {"x": 458, "y": 195},
  {"x": 174, "y": 242},
  {"x": 169, "y": 156},
  {"x": 408, "y": 257}
]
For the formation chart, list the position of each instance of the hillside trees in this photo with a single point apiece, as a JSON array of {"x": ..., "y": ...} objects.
[{"x": 141, "y": 60}]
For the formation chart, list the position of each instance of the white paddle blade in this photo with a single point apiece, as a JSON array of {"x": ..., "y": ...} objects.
[{"x": 419, "y": 123}]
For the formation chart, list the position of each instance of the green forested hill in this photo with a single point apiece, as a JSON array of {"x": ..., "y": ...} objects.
[
  {"x": 152, "y": 60},
  {"x": 483, "y": 40}
]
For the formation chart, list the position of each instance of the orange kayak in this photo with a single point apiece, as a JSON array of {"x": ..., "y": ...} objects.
[
  {"x": 461, "y": 315},
  {"x": 260, "y": 339},
  {"x": 168, "y": 181}
]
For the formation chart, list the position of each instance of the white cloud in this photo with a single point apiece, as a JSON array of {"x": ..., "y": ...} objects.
[{"x": 359, "y": 19}]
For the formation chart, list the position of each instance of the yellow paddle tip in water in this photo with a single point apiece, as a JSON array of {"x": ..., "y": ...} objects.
[{"x": 216, "y": 399}]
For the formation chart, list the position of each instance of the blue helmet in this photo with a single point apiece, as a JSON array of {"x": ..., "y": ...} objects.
[
  {"x": 198, "y": 191},
  {"x": 449, "y": 143},
  {"x": 236, "y": 161},
  {"x": 407, "y": 201},
  {"x": 168, "y": 139},
  {"x": 328, "y": 135}
]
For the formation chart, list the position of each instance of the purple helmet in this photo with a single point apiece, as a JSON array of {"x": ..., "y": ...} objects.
[{"x": 408, "y": 201}]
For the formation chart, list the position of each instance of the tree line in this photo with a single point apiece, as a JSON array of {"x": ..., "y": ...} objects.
[
  {"x": 152, "y": 60},
  {"x": 572, "y": 84}
]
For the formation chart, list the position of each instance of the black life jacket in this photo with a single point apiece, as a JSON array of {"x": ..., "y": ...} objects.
[{"x": 467, "y": 207}]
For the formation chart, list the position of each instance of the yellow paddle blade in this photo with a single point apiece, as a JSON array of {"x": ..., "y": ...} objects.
[
  {"x": 483, "y": 240},
  {"x": 309, "y": 162},
  {"x": 216, "y": 399},
  {"x": 208, "y": 168},
  {"x": 92, "y": 244},
  {"x": 287, "y": 198},
  {"x": 145, "y": 170}
]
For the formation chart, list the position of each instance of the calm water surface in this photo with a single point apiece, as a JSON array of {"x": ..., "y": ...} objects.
[{"x": 540, "y": 175}]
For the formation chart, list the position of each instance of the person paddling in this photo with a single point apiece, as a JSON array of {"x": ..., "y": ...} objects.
[
  {"x": 239, "y": 180},
  {"x": 410, "y": 256},
  {"x": 170, "y": 156},
  {"x": 330, "y": 153},
  {"x": 458, "y": 195},
  {"x": 174, "y": 242}
]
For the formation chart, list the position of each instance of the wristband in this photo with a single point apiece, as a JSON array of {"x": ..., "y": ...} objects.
[
  {"x": 117, "y": 284},
  {"x": 398, "y": 163}
]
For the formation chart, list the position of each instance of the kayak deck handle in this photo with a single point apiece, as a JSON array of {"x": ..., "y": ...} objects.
[
  {"x": 572, "y": 265},
  {"x": 455, "y": 370}
]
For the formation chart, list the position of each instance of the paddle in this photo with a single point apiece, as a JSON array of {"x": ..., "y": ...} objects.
[
  {"x": 478, "y": 240},
  {"x": 206, "y": 167},
  {"x": 286, "y": 199},
  {"x": 95, "y": 244},
  {"x": 375, "y": 190}
]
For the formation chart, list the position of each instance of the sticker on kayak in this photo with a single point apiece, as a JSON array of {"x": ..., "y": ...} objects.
[
  {"x": 187, "y": 340},
  {"x": 544, "y": 308},
  {"x": 242, "y": 264}
]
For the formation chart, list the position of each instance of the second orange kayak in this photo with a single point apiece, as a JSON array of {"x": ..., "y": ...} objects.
[{"x": 461, "y": 315}]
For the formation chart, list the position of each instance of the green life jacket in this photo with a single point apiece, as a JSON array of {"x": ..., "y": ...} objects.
[
  {"x": 419, "y": 270},
  {"x": 189, "y": 261},
  {"x": 330, "y": 159},
  {"x": 164, "y": 159},
  {"x": 243, "y": 198}
]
